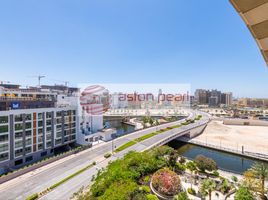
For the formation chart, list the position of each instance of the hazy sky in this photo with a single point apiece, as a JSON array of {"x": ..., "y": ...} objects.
[{"x": 202, "y": 43}]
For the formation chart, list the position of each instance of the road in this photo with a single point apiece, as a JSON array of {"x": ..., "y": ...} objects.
[{"x": 42, "y": 178}]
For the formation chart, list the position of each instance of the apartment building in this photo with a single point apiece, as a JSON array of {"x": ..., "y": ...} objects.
[{"x": 33, "y": 124}]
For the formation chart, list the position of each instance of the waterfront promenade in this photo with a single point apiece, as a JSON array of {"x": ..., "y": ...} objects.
[{"x": 249, "y": 141}]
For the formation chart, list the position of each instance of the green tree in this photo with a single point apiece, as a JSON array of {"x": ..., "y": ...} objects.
[
  {"x": 172, "y": 160},
  {"x": 151, "y": 197},
  {"x": 206, "y": 187},
  {"x": 260, "y": 170},
  {"x": 120, "y": 191},
  {"x": 182, "y": 196},
  {"x": 243, "y": 193},
  {"x": 191, "y": 166},
  {"x": 203, "y": 163}
]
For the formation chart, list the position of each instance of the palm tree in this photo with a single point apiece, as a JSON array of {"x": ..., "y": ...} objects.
[
  {"x": 260, "y": 170},
  {"x": 191, "y": 166},
  {"x": 207, "y": 186}
]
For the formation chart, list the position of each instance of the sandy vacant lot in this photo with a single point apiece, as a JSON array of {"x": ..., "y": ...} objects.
[{"x": 253, "y": 138}]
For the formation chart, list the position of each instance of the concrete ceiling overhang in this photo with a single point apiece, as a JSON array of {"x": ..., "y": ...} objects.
[{"x": 255, "y": 15}]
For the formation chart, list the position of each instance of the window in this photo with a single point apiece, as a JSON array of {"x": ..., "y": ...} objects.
[
  {"x": 28, "y": 117},
  {"x": 58, "y": 127},
  {"x": 28, "y": 150},
  {"x": 73, "y": 137},
  {"x": 18, "y": 135},
  {"x": 40, "y": 131},
  {"x": 49, "y": 129},
  {"x": 28, "y": 133},
  {"x": 18, "y": 162},
  {"x": 49, "y": 123},
  {"x": 73, "y": 131},
  {"x": 18, "y": 127},
  {"x": 40, "y": 139},
  {"x": 3, "y": 147},
  {"x": 3, "y": 138},
  {"x": 48, "y": 136},
  {"x": 58, "y": 134},
  {"x": 58, "y": 114},
  {"x": 4, "y": 129},
  {"x": 40, "y": 146},
  {"x": 59, "y": 121},
  {"x": 40, "y": 115},
  {"x": 28, "y": 141},
  {"x": 29, "y": 158},
  {"x": 18, "y": 144},
  {"x": 40, "y": 123},
  {"x": 3, "y": 156},
  {"x": 48, "y": 115},
  {"x": 58, "y": 141},
  {"x": 73, "y": 125},
  {"x": 18, "y": 118},
  {"x": 49, "y": 144},
  {"x": 18, "y": 152},
  {"x": 28, "y": 125},
  {"x": 3, "y": 119}
]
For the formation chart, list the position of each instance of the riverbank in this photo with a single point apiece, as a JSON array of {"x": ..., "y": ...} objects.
[{"x": 228, "y": 162}]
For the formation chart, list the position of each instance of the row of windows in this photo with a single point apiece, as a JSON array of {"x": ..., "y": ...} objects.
[
  {"x": 19, "y": 126},
  {"x": 19, "y": 118}
]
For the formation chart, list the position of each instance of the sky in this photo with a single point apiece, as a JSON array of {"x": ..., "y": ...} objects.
[{"x": 202, "y": 43}]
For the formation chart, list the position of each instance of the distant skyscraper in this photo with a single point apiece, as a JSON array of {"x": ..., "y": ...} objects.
[
  {"x": 201, "y": 96},
  {"x": 228, "y": 98}
]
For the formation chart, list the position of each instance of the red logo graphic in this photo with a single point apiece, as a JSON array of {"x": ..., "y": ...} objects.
[{"x": 95, "y": 100}]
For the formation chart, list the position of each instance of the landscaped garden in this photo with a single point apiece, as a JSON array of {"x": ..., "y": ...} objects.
[{"x": 162, "y": 174}]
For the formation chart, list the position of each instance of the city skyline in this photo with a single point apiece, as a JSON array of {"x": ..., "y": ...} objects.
[{"x": 156, "y": 42}]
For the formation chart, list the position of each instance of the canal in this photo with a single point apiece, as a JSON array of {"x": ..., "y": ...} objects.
[
  {"x": 122, "y": 128},
  {"x": 225, "y": 161}
]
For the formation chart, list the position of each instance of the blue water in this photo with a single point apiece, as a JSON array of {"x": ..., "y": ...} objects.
[{"x": 225, "y": 161}]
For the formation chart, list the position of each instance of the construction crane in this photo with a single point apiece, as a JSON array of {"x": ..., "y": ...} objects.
[{"x": 39, "y": 77}]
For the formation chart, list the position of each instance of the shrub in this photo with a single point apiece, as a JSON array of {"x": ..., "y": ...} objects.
[
  {"x": 203, "y": 163},
  {"x": 180, "y": 167},
  {"x": 107, "y": 155},
  {"x": 216, "y": 173},
  {"x": 182, "y": 196},
  {"x": 32, "y": 197},
  {"x": 243, "y": 193},
  {"x": 182, "y": 160},
  {"x": 225, "y": 187},
  {"x": 191, "y": 191},
  {"x": 146, "y": 179},
  {"x": 145, "y": 189},
  {"x": 132, "y": 166},
  {"x": 151, "y": 197},
  {"x": 234, "y": 178},
  {"x": 166, "y": 182}
]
